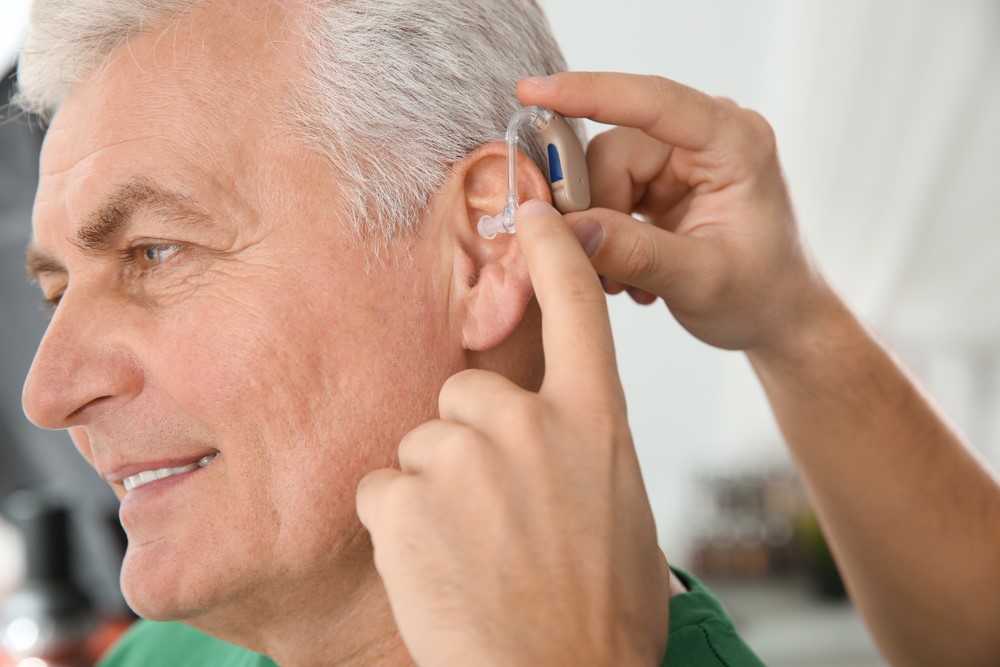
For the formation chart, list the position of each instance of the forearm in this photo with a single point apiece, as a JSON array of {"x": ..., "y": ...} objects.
[{"x": 912, "y": 514}]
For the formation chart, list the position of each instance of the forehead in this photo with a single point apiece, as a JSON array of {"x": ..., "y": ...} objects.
[{"x": 196, "y": 98}]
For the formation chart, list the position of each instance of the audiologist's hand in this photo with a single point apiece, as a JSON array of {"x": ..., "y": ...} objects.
[
  {"x": 900, "y": 494},
  {"x": 719, "y": 243},
  {"x": 518, "y": 531}
]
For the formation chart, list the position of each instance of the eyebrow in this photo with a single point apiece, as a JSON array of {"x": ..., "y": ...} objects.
[{"x": 110, "y": 219}]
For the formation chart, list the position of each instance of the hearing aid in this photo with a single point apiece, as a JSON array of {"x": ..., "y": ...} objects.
[{"x": 565, "y": 161}]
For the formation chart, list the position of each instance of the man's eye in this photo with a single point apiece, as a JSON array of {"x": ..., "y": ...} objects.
[
  {"x": 51, "y": 302},
  {"x": 148, "y": 257}
]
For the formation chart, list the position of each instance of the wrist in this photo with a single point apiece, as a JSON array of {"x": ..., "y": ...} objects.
[{"x": 818, "y": 325}]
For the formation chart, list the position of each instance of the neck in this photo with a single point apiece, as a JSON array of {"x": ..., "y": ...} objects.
[
  {"x": 360, "y": 631},
  {"x": 322, "y": 623}
]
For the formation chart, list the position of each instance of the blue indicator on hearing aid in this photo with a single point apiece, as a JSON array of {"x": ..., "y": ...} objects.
[{"x": 555, "y": 165}]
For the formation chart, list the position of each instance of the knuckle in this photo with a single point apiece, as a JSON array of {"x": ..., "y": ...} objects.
[
  {"x": 587, "y": 80},
  {"x": 616, "y": 150},
  {"x": 584, "y": 293},
  {"x": 466, "y": 458},
  {"x": 522, "y": 407},
  {"x": 386, "y": 503},
  {"x": 448, "y": 444},
  {"x": 398, "y": 502},
  {"x": 462, "y": 443},
  {"x": 728, "y": 102},
  {"x": 413, "y": 447},
  {"x": 526, "y": 415},
  {"x": 602, "y": 140},
  {"x": 456, "y": 452},
  {"x": 663, "y": 88},
  {"x": 407, "y": 448},
  {"x": 456, "y": 386},
  {"x": 395, "y": 495},
  {"x": 640, "y": 257},
  {"x": 666, "y": 93},
  {"x": 600, "y": 147},
  {"x": 759, "y": 129},
  {"x": 726, "y": 113}
]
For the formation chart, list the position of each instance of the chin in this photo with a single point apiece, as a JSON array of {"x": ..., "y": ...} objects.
[{"x": 161, "y": 584}]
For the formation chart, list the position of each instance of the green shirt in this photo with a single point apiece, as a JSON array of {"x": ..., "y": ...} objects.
[
  {"x": 701, "y": 635},
  {"x": 701, "y": 631}
]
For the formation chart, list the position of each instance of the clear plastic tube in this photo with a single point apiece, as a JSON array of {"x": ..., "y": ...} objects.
[{"x": 503, "y": 223}]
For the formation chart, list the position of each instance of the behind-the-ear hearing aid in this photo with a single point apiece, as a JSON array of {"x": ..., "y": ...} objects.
[{"x": 567, "y": 168}]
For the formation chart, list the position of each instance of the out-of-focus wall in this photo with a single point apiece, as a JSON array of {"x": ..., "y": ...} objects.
[{"x": 887, "y": 120}]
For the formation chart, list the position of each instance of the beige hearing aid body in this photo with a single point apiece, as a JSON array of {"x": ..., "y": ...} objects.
[{"x": 568, "y": 177}]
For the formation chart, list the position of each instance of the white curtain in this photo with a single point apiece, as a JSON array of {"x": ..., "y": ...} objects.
[{"x": 891, "y": 132}]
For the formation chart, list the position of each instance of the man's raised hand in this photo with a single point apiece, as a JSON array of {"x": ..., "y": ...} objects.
[{"x": 518, "y": 530}]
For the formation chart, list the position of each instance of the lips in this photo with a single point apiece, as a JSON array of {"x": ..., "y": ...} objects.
[
  {"x": 135, "y": 475},
  {"x": 146, "y": 476}
]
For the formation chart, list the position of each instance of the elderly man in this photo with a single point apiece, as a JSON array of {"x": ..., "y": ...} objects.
[{"x": 256, "y": 224}]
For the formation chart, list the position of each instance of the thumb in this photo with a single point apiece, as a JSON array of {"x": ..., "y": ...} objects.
[{"x": 642, "y": 255}]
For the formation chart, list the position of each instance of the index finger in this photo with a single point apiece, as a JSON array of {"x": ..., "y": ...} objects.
[
  {"x": 576, "y": 330},
  {"x": 664, "y": 109}
]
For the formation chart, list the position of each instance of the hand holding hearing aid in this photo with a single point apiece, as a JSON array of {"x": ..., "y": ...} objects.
[
  {"x": 718, "y": 240},
  {"x": 517, "y": 530}
]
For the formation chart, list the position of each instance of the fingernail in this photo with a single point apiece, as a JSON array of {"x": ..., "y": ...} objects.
[
  {"x": 543, "y": 82},
  {"x": 589, "y": 233},
  {"x": 534, "y": 208}
]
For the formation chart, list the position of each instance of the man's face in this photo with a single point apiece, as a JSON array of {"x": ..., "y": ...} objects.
[{"x": 212, "y": 305}]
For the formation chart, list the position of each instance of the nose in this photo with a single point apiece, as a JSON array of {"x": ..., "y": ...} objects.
[{"x": 81, "y": 364}]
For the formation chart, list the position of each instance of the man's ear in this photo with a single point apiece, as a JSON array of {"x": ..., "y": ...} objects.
[{"x": 491, "y": 285}]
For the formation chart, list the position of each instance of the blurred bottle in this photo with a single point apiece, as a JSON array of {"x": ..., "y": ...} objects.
[{"x": 48, "y": 620}]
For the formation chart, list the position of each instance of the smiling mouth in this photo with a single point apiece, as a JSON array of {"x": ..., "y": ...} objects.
[{"x": 146, "y": 476}]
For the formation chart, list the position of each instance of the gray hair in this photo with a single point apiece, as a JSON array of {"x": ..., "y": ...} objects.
[{"x": 397, "y": 92}]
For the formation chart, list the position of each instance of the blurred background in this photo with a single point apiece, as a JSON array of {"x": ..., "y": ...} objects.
[{"x": 888, "y": 121}]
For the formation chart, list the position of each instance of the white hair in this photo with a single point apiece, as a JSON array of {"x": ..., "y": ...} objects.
[{"x": 397, "y": 92}]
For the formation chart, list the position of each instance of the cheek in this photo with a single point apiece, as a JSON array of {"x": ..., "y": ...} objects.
[{"x": 304, "y": 396}]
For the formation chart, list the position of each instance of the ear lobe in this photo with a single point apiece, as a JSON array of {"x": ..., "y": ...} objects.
[{"x": 491, "y": 278}]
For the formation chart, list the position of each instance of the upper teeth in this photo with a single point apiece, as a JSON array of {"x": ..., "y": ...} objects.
[{"x": 147, "y": 476}]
